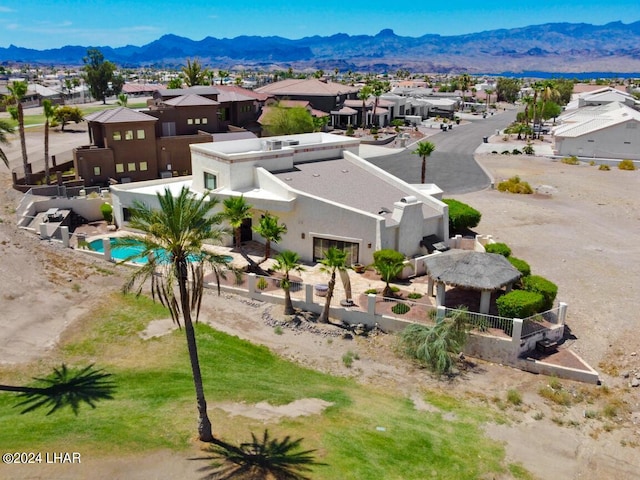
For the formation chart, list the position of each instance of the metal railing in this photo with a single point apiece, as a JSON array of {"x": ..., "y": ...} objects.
[
  {"x": 483, "y": 322},
  {"x": 539, "y": 322}
]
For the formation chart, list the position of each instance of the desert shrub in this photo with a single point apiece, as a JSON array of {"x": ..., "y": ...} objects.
[
  {"x": 604, "y": 167},
  {"x": 499, "y": 248},
  {"x": 506, "y": 152},
  {"x": 515, "y": 185},
  {"x": 592, "y": 163},
  {"x": 627, "y": 165},
  {"x": 461, "y": 215},
  {"x": 107, "y": 212},
  {"x": 349, "y": 131},
  {"x": 371, "y": 291},
  {"x": 528, "y": 149},
  {"x": 514, "y": 397},
  {"x": 573, "y": 160},
  {"x": 542, "y": 286},
  {"x": 348, "y": 358},
  {"x": 414, "y": 295},
  {"x": 522, "y": 266},
  {"x": 387, "y": 255},
  {"x": 374, "y": 131},
  {"x": 519, "y": 304},
  {"x": 494, "y": 152},
  {"x": 515, "y": 151},
  {"x": 400, "y": 308},
  {"x": 262, "y": 283}
]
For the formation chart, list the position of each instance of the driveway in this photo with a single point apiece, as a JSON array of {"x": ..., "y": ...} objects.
[{"x": 451, "y": 166}]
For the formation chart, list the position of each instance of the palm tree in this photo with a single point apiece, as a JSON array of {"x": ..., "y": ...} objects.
[
  {"x": 193, "y": 73},
  {"x": 424, "y": 150},
  {"x": 180, "y": 228},
  {"x": 488, "y": 91},
  {"x": 5, "y": 127},
  {"x": 389, "y": 264},
  {"x": 123, "y": 99},
  {"x": 264, "y": 458},
  {"x": 18, "y": 90},
  {"x": 464, "y": 81},
  {"x": 286, "y": 262},
  {"x": 334, "y": 259},
  {"x": 236, "y": 210},
  {"x": 65, "y": 387},
  {"x": 223, "y": 74},
  {"x": 49, "y": 111},
  {"x": 364, "y": 94},
  {"x": 271, "y": 231}
]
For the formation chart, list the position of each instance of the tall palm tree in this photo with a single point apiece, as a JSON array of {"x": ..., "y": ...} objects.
[
  {"x": 5, "y": 127},
  {"x": 180, "y": 228},
  {"x": 223, "y": 75},
  {"x": 193, "y": 73},
  {"x": 488, "y": 91},
  {"x": 236, "y": 210},
  {"x": 334, "y": 260},
  {"x": 49, "y": 110},
  {"x": 65, "y": 387},
  {"x": 464, "y": 82},
  {"x": 286, "y": 262},
  {"x": 424, "y": 150},
  {"x": 18, "y": 90},
  {"x": 364, "y": 94},
  {"x": 271, "y": 231}
]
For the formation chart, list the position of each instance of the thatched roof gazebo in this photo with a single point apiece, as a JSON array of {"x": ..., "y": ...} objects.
[{"x": 482, "y": 271}]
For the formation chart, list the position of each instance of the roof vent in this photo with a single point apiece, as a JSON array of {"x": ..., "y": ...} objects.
[
  {"x": 273, "y": 145},
  {"x": 409, "y": 199}
]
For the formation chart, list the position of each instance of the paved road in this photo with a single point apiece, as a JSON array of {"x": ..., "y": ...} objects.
[{"x": 451, "y": 166}]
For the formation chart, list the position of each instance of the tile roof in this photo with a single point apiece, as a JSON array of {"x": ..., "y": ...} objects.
[
  {"x": 310, "y": 86},
  {"x": 235, "y": 89},
  {"x": 119, "y": 115},
  {"x": 197, "y": 90},
  {"x": 190, "y": 100}
]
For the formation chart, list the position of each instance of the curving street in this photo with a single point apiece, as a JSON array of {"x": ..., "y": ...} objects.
[{"x": 451, "y": 166}]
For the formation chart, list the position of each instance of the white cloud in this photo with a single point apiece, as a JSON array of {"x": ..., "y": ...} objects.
[{"x": 6, "y": 10}]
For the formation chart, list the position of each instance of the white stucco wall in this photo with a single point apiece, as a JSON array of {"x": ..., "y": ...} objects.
[{"x": 619, "y": 141}]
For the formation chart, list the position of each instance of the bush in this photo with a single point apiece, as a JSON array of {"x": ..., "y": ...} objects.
[
  {"x": 349, "y": 131},
  {"x": 107, "y": 212},
  {"x": 573, "y": 160},
  {"x": 262, "y": 283},
  {"x": 515, "y": 185},
  {"x": 540, "y": 285},
  {"x": 528, "y": 149},
  {"x": 388, "y": 255},
  {"x": 400, "y": 308},
  {"x": 506, "y": 152},
  {"x": 461, "y": 215},
  {"x": 604, "y": 167},
  {"x": 371, "y": 291},
  {"x": 522, "y": 266},
  {"x": 514, "y": 397},
  {"x": 519, "y": 304},
  {"x": 414, "y": 295},
  {"x": 499, "y": 248},
  {"x": 515, "y": 151},
  {"x": 627, "y": 165}
]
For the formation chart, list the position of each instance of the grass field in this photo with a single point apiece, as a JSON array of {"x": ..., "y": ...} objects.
[
  {"x": 32, "y": 120},
  {"x": 368, "y": 433}
]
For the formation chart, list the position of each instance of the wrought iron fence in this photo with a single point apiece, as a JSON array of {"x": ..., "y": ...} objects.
[
  {"x": 483, "y": 322},
  {"x": 539, "y": 322}
]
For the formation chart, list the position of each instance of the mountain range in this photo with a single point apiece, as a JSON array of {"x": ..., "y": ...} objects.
[{"x": 552, "y": 47}]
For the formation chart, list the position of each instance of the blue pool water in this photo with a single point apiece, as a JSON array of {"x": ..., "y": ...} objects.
[{"x": 121, "y": 252}]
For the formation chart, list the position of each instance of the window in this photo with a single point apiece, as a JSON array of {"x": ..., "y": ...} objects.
[
  {"x": 189, "y": 121},
  {"x": 321, "y": 245},
  {"x": 96, "y": 171},
  {"x": 632, "y": 125},
  {"x": 210, "y": 181},
  {"x": 128, "y": 135},
  {"x": 119, "y": 167},
  {"x": 117, "y": 136},
  {"x": 143, "y": 166},
  {"x": 204, "y": 121},
  {"x": 131, "y": 167},
  {"x": 140, "y": 134},
  {"x": 197, "y": 121}
]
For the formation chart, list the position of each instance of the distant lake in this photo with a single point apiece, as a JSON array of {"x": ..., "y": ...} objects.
[{"x": 570, "y": 75}]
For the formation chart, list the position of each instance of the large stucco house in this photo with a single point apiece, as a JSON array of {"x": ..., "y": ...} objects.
[{"x": 318, "y": 186}]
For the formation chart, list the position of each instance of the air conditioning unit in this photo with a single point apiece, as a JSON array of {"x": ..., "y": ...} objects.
[
  {"x": 274, "y": 145},
  {"x": 291, "y": 143}
]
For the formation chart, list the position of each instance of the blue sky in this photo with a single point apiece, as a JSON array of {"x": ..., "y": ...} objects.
[{"x": 49, "y": 24}]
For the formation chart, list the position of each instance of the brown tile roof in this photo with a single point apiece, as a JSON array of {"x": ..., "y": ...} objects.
[
  {"x": 119, "y": 115},
  {"x": 242, "y": 91},
  {"x": 309, "y": 86},
  {"x": 190, "y": 100}
]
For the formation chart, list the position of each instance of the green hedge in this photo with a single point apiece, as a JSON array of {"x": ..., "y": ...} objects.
[
  {"x": 107, "y": 212},
  {"x": 540, "y": 285},
  {"x": 519, "y": 304},
  {"x": 499, "y": 248},
  {"x": 461, "y": 215},
  {"x": 522, "y": 266}
]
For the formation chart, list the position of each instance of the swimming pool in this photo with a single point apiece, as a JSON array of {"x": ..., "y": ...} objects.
[{"x": 122, "y": 252}]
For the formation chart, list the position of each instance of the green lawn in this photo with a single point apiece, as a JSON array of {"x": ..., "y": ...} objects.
[
  {"x": 32, "y": 119},
  {"x": 367, "y": 434}
]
